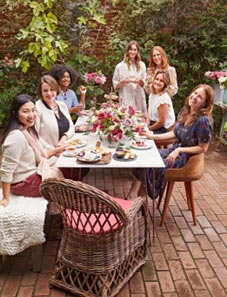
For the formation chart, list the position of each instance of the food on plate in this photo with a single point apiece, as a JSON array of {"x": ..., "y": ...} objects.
[
  {"x": 99, "y": 149},
  {"x": 88, "y": 155},
  {"x": 81, "y": 128},
  {"x": 140, "y": 143},
  {"x": 123, "y": 153},
  {"x": 75, "y": 142}
]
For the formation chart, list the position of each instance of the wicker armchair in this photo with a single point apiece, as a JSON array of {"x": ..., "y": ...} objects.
[{"x": 104, "y": 241}]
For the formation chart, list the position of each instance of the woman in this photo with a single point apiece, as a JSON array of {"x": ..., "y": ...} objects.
[
  {"x": 129, "y": 78},
  {"x": 161, "y": 115},
  {"x": 22, "y": 152},
  {"x": 53, "y": 124},
  {"x": 159, "y": 61},
  {"x": 65, "y": 77},
  {"x": 192, "y": 134}
]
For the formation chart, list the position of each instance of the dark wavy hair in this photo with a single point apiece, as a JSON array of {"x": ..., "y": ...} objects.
[
  {"x": 58, "y": 71},
  {"x": 13, "y": 122}
]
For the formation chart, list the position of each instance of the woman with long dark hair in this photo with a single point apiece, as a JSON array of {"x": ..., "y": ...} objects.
[{"x": 22, "y": 151}]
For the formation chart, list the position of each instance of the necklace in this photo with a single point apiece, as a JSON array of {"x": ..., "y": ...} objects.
[{"x": 55, "y": 108}]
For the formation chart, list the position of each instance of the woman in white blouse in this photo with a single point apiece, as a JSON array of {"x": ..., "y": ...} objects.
[
  {"x": 161, "y": 117},
  {"x": 129, "y": 78}
]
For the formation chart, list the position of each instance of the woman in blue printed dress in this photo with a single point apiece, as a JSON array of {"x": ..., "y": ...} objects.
[{"x": 192, "y": 135}]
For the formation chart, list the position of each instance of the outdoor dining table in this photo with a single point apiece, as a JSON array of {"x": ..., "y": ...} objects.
[{"x": 145, "y": 158}]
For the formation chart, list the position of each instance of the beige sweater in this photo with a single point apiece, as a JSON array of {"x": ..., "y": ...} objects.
[
  {"x": 46, "y": 124},
  {"x": 18, "y": 158}
]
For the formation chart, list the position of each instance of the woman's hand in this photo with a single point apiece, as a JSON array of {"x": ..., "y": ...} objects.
[
  {"x": 148, "y": 134},
  {"x": 172, "y": 157},
  {"x": 83, "y": 90},
  {"x": 4, "y": 202}
]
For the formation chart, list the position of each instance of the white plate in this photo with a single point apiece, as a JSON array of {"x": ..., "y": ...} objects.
[
  {"x": 146, "y": 146},
  {"x": 79, "y": 144},
  {"x": 69, "y": 153},
  {"x": 89, "y": 155}
]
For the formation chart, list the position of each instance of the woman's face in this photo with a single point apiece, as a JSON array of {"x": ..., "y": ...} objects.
[
  {"x": 27, "y": 114},
  {"x": 157, "y": 58},
  {"x": 197, "y": 99},
  {"x": 132, "y": 52},
  {"x": 158, "y": 83},
  {"x": 48, "y": 93},
  {"x": 65, "y": 81}
]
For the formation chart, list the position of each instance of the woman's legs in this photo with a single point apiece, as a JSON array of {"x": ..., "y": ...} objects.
[{"x": 134, "y": 190}]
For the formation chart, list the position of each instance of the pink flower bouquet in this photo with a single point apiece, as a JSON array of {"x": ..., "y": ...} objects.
[
  {"x": 114, "y": 121},
  {"x": 95, "y": 78},
  {"x": 221, "y": 76}
]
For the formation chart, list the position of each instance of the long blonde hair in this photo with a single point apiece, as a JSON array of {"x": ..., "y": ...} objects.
[
  {"x": 205, "y": 110},
  {"x": 137, "y": 58}
]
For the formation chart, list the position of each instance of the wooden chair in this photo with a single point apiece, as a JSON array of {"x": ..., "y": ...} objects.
[
  {"x": 104, "y": 241},
  {"x": 192, "y": 171}
]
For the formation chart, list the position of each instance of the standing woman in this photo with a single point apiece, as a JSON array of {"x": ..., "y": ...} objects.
[
  {"x": 53, "y": 124},
  {"x": 159, "y": 61},
  {"x": 161, "y": 116},
  {"x": 129, "y": 78},
  {"x": 65, "y": 77}
]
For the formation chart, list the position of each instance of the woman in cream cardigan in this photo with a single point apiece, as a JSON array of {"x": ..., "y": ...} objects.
[{"x": 53, "y": 124}]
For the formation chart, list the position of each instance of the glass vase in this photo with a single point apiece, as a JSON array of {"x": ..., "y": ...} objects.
[{"x": 225, "y": 97}]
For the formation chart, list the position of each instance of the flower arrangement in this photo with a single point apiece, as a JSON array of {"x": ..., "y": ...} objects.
[
  {"x": 221, "y": 76},
  {"x": 114, "y": 121},
  {"x": 95, "y": 78}
]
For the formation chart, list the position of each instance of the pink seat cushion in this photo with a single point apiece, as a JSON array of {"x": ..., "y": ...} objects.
[{"x": 96, "y": 223}]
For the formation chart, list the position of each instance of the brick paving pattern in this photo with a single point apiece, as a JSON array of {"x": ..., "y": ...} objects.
[{"x": 184, "y": 260}]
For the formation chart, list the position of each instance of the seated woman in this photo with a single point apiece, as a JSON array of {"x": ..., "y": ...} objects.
[
  {"x": 65, "y": 77},
  {"x": 192, "y": 134},
  {"x": 161, "y": 115},
  {"x": 53, "y": 123},
  {"x": 22, "y": 152}
]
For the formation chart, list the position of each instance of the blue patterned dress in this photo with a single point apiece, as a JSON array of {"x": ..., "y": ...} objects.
[{"x": 187, "y": 136}]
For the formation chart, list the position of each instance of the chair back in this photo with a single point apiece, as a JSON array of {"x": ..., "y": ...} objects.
[
  {"x": 193, "y": 170},
  {"x": 85, "y": 209}
]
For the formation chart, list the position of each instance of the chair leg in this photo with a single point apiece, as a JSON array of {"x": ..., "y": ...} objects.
[
  {"x": 190, "y": 199},
  {"x": 1, "y": 262},
  {"x": 37, "y": 253},
  {"x": 161, "y": 195},
  {"x": 167, "y": 199}
]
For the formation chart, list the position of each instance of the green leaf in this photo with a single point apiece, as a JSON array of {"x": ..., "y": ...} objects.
[
  {"x": 82, "y": 20},
  {"x": 99, "y": 18}
]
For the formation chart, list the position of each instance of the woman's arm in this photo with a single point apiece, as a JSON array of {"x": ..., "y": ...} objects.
[
  {"x": 5, "y": 194},
  {"x": 165, "y": 136},
  {"x": 192, "y": 150},
  {"x": 162, "y": 116},
  {"x": 173, "y": 87}
]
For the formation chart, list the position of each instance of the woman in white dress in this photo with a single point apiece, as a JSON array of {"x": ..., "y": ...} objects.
[
  {"x": 129, "y": 78},
  {"x": 159, "y": 61},
  {"x": 161, "y": 117}
]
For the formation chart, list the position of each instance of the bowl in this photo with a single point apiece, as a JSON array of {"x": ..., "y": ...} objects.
[{"x": 120, "y": 154}]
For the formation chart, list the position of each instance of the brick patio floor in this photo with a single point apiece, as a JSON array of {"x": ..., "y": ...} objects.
[{"x": 184, "y": 260}]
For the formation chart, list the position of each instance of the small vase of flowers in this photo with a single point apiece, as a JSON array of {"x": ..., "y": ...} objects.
[{"x": 220, "y": 89}]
